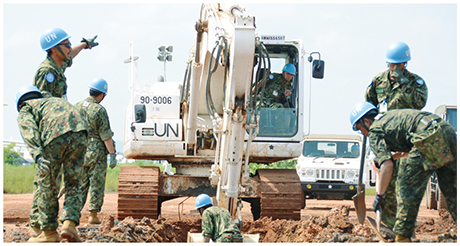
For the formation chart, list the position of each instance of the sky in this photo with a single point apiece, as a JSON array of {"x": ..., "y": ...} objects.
[{"x": 352, "y": 39}]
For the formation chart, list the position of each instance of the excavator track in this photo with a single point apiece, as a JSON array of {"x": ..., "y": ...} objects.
[
  {"x": 138, "y": 192},
  {"x": 281, "y": 194}
]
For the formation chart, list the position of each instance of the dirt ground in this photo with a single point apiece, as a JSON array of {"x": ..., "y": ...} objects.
[{"x": 321, "y": 221}]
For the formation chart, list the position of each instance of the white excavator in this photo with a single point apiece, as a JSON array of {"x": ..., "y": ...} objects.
[{"x": 212, "y": 125}]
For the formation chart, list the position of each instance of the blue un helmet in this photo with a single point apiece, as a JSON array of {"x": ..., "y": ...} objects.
[
  {"x": 359, "y": 111},
  {"x": 202, "y": 200},
  {"x": 100, "y": 84},
  {"x": 52, "y": 37},
  {"x": 27, "y": 92},
  {"x": 398, "y": 52},
  {"x": 289, "y": 68}
]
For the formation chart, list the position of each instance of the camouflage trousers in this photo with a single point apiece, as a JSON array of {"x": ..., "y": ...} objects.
[
  {"x": 388, "y": 211},
  {"x": 412, "y": 181},
  {"x": 93, "y": 176},
  {"x": 67, "y": 151}
]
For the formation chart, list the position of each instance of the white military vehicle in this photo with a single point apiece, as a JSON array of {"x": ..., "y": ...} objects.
[
  {"x": 210, "y": 126},
  {"x": 329, "y": 166},
  {"x": 434, "y": 197}
]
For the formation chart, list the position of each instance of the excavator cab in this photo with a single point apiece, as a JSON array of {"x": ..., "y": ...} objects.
[
  {"x": 278, "y": 112},
  {"x": 281, "y": 117}
]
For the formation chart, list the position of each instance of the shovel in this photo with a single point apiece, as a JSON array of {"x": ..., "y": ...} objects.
[
  {"x": 359, "y": 198},
  {"x": 376, "y": 227}
]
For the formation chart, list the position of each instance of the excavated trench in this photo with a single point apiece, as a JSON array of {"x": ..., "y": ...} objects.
[{"x": 334, "y": 226}]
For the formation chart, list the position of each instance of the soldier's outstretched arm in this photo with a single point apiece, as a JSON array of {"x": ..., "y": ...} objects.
[
  {"x": 77, "y": 48},
  {"x": 86, "y": 43}
]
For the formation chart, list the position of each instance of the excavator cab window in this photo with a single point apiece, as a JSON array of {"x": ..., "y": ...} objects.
[{"x": 278, "y": 104}]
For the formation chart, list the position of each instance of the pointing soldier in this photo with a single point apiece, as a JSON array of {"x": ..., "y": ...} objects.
[
  {"x": 49, "y": 78},
  {"x": 216, "y": 223},
  {"x": 100, "y": 144},
  {"x": 396, "y": 88},
  {"x": 430, "y": 145},
  {"x": 55, "y": 135}
]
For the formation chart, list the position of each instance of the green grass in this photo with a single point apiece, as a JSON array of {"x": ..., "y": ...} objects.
[
  {"x": 370, "y": 191},
  {"x": 20, "y": 179},
  {"x": 111, "y": 179}
]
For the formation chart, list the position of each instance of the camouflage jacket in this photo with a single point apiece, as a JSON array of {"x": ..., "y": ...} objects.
[
  {"x": 97, "y": 118},
  {"x": 411, "y": 95},
  {"x": 43, "y": 120},
  {"x": 50, "y": 79},
  {"x": 216, "y": 221},
  {"x": 274, "y": 89},
  {"x": 98, "y": 121},
  {"x": 392, "y": 132}
]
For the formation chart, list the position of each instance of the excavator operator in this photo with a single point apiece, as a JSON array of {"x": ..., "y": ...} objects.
[{"x": 278, "y": 88}]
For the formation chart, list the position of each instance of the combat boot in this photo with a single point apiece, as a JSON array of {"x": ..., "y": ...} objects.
[
  {"x": 35, "y": 231},
  {"x": 46, "y": 237},
  {"x": 93, "y": 219},
  {"x": 402, "y": 239},
  {"x": 69, "y": 231}
]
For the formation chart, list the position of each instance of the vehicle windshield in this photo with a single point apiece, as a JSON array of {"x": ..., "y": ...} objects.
[{"x": 334, "y": 149}]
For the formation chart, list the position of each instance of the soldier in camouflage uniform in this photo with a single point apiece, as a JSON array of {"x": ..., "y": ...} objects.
[
  {"x": 217, "y": 223},
  {"x": 100, "y": 144},
  {"x": 430, "y": 145},
  {"x": 49, "y": 78},
  {"x": 396, "y": 88},
  {"x": 55, "y": 134},
  {"x": 275, "y": 98},
  {"x": 278, "y": 88}
]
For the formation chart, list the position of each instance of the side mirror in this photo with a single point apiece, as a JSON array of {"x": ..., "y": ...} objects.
[
  {"x": 318, "y": 69},
  {"x": 140, "y": 114}
]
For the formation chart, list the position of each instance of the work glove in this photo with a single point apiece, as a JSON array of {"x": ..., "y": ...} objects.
[
  {"x": 90, "y": 42},
  {"x": 43, "y": 165},
  {"x": 378, "y": 202},
  {"x": 113, "y": 160},
  {"x": 399, "y": 76}
]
